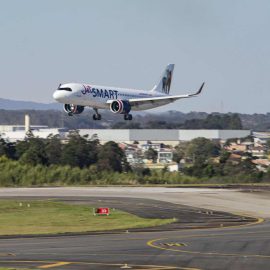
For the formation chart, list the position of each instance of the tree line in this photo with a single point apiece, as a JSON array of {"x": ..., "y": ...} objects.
[
  {"x": 80, "y": 160},
  {"x": 78, "y": 151},
  {"x": 212, "y": 121},
  {"x": 169, "y": 120}
]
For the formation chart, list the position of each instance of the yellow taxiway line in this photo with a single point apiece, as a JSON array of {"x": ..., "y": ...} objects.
[
  {"x": 46, "y": 266},
  {"x": 151, "y": 243}
]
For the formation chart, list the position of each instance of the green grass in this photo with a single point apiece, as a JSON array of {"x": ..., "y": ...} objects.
[{"x": 45, "y": 217}]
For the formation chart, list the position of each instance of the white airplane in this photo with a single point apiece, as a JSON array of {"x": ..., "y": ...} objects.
[{"x": 76, "y": 96}]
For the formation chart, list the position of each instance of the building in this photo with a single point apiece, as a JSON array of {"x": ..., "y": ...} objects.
[
  {"x": 239, "y": 146},
  {"x": 165, "y": 156},
  {"x": 43, "y": 133},
  {"x": 157, "y": 136},
  {"x": 143, "y": 136},
  {"x": 261, "y": 138},
  {"x": 16, "y": 128},
  {"x": 13, "y": 133},
  {"x": 258, "y": 151}
]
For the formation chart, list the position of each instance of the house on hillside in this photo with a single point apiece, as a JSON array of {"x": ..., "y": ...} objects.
[{"x": 258, "y": 151}]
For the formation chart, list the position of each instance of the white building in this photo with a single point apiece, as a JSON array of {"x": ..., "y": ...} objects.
[
  {"x": 15, "y": 128},
  {"x": 156, "y": 136},
  {"x": 165, "y": 156},
  {"x": 261, "y": 138},
  {"x": 14, "y": 133},
  {"x": 14, "y": 136}
]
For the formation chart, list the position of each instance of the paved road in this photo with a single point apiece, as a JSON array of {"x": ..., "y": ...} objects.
[{"x": 242, "y": 247}]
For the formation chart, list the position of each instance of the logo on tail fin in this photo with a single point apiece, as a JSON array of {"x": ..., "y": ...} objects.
[{"x": 166, "y": 81}]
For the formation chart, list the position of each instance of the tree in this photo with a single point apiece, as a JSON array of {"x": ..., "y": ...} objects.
[
  {"x": 215, "y": 121},
  {"x": 79, "y": 152},
  {"x": 34, "y": 153},
  {"x": 126, "y": 125},
  {"x": 21, "y": 148},
  {"x": 112, "y": 158},
  {"x": 224, "y": 155},
  {"x": 245, "y": 167},
  {"x": 7, "y": 149},
  {"x": 160, "y": 125},
  {"x": 235, "y": 122},
  {"x": 151, "y": 154},
  {"x": 179, "y": 152},
  {"x": 53, "y": 149},
  {"x": 3, "y": 147},
  {"x": 140, "y": 171},
  {"x": 201, "y": 149}
]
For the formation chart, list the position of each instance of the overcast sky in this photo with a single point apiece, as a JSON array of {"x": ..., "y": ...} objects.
[{"x": 129, "y": 43}]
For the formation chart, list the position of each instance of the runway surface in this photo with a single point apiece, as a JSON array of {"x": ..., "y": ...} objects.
[{"x": 244, "y": 246}]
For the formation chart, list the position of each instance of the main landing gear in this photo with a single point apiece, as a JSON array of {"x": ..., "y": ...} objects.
[
  {"x": 128, "y": 116},
  {"x": 96, "y": 116}
]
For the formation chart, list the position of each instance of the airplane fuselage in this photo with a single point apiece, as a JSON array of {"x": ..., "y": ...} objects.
[
  {"x": 97, "y": 96},
  {"x": 77, "y": 96}
]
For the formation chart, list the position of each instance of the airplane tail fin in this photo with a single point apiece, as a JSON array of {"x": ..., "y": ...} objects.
[{"x": 164, "y": 83}]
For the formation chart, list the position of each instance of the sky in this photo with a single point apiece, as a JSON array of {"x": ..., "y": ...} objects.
[{"x": 225, "y": 43}]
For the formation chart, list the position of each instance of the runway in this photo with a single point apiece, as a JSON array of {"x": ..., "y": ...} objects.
[{"x": 245, "y": 244}]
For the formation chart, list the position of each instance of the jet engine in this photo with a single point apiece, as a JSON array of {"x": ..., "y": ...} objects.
[
  {"x": 73, "y": 109},
  {"x": 120, "y": 106}
]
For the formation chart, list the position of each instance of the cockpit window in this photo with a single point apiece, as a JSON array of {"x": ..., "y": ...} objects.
[{"x": 64, "y": 88}]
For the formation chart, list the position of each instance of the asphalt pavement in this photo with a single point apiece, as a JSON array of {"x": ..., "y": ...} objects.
[{"x": 200, "y": 240}]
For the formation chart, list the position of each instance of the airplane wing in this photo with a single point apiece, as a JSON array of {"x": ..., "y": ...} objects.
[{"x": 153, "y": 100}]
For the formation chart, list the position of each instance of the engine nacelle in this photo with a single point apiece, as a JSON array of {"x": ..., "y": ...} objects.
[
  {"x": 120, "y": 106},
  {"x": 73, "y": 109}
]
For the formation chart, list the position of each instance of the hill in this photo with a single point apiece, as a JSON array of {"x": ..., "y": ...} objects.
[
  {"x": 167, "y": 120},
  {"x": 12, "y": 113},
  {"x": 7, "y": 104}
]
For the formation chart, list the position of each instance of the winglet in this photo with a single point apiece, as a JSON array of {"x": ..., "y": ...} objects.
[{"x": 199, "y": 91}]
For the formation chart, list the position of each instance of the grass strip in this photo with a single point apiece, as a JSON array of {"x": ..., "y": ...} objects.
[{"x": 50, "y": 217}]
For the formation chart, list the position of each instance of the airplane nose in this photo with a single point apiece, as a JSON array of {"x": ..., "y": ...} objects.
[{"x": 57, "y": 95}]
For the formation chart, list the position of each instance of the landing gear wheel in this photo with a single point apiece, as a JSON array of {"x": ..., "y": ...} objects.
[
  {"x": 97, "y": 116},
  {"x": 128, "y": 116}
]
